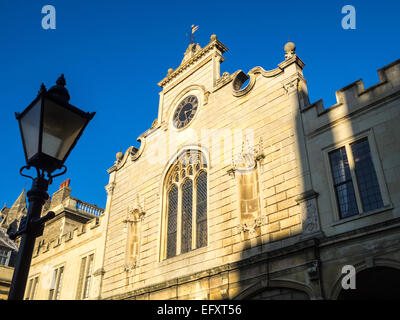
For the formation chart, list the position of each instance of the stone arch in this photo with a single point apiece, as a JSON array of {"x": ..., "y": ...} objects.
[
  {"x": 378, "y": 265},
  {"x": 279, "y": 289},
  {"x": 174, "y": 157}
]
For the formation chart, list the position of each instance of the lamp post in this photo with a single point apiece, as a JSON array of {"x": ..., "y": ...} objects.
[{"x": 50, "y": 127}]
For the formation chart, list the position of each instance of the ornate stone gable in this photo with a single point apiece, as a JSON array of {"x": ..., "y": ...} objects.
[{"x": 193, "y": 54}]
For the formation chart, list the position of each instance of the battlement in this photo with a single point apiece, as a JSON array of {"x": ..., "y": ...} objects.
[
  {"x": 353, "y": 98},
  {"x": 75, "y": 222},
  {"x": 78, "y": 235}
]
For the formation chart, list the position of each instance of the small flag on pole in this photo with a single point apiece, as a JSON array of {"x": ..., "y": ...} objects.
[{"x": 193, "y": 29}]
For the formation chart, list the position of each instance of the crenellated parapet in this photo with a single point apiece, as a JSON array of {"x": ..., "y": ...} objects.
[
  {"x": 75, "y": 237},
  {"x": 352, "y": 99},
  {"x": 75, "y": 222}
]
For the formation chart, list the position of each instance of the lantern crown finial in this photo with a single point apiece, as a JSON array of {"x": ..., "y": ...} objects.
[
  {"x": 59, "y": 91},
  {"x": 61, "y": 81}
]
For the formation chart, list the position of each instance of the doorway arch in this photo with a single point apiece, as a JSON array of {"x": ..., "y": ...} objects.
[{"x": 377, "y": 283}]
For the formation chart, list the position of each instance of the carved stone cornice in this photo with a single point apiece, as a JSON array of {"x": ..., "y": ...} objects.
[{"x": 293, "y": 59}]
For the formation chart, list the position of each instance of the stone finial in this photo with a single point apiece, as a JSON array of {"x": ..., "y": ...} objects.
[
  {"x": 170, "y": 70},
  {"x": 290, "y": 50},
  {"x": 191, "y": 51},
  {"x": 213, "y": 37},
  {"x": 119, "y": 156}
]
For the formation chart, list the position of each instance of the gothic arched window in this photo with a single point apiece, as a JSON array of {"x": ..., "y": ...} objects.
[{"x": 186, "y": 205}]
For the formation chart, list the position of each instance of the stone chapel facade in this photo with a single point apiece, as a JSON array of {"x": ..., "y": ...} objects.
[{"x": 242, "y": 189}]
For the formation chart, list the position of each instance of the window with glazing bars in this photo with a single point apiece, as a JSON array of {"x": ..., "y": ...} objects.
[
  {"x": 56, "y": 282},
  {"x": 4, "y": 257},
  {"x": 85, "y": 277},
  {"x": 186, "y": 205},
  {"x": 362, "y": 173},
  {"x": 368, "y": 185},
  {"x": 32, "y": 287}
]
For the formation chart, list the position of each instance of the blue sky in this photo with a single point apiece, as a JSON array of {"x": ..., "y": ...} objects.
[{"x": 113, "y": 54}]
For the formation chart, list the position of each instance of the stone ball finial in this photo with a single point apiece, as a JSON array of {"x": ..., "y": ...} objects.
[
  {"x": 119, "y": 156},
  {"x": 170, "y": 70},
  {"x": 213, "y": 37},
  {"x": 290, "y": 49}
]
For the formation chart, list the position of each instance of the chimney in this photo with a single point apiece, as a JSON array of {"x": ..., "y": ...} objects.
[
  {"x": 65, "y": 183},
  {"x": 61, "y": 194}
]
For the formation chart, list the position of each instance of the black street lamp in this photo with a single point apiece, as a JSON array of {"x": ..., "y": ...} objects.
[{"x": 50, "y": 127}]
